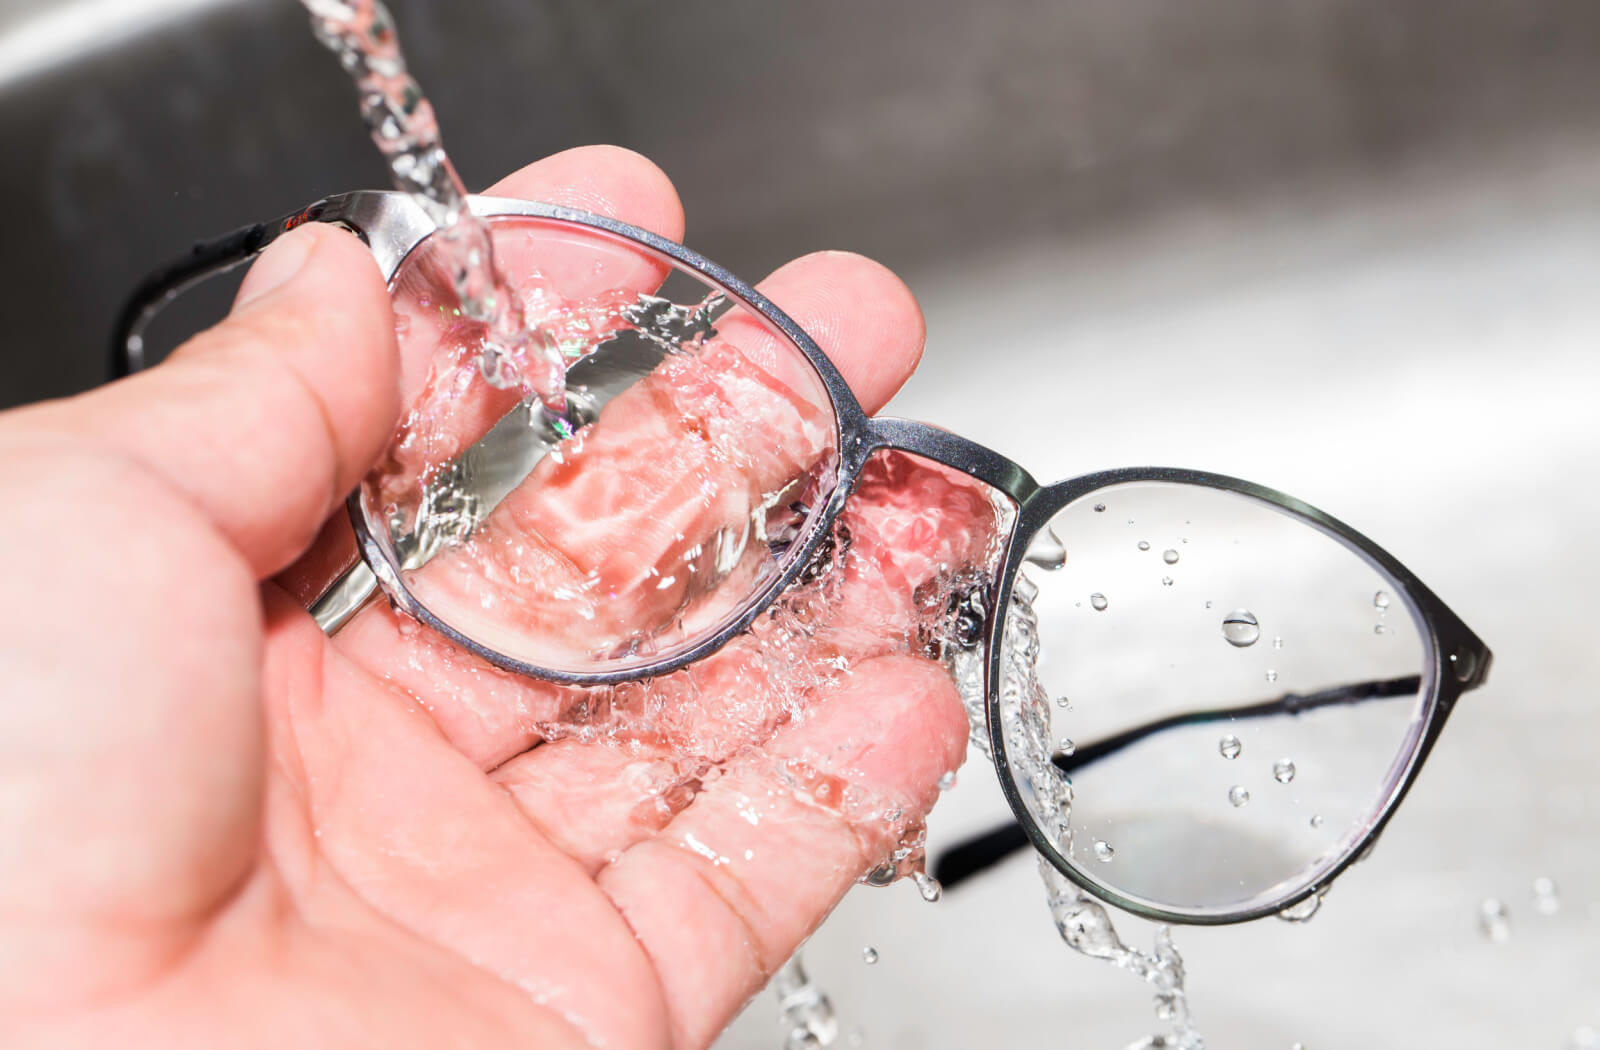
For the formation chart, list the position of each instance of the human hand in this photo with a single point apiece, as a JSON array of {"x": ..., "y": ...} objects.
[{"x": 219, "y": 827}]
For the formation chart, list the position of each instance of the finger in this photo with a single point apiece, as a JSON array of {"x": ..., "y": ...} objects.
[
  {"x": 265, "y": 421},
  {"x": 728, "y": 890},
  {"x": 604, "y": 180},
  {"x": 913, "y": 528}
]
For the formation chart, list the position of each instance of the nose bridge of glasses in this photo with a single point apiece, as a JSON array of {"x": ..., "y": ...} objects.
[{"x": 954, "y": 451}]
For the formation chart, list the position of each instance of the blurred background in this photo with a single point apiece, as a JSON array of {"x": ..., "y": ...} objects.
[{"x": 1347, "y": 248}]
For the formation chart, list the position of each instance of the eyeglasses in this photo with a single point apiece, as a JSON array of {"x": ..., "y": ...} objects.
[{"x": 1250, "y": 687}]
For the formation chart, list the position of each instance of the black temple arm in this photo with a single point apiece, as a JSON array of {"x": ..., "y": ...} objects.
[{"x": 978, "y": 854}]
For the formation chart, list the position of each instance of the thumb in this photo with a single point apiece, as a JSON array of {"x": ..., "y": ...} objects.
[{"x": 266, "y": 421}]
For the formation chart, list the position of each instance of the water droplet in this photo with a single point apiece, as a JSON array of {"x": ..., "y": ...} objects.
[
  {"x": 1085, "y": 926},
  {"x": 869, "y": 955},
  {"x": 1494, "y": 922},
  {"x": 1277, "y": 643},
  {"x": 1024, "y": 589},
  {"x": 947, "y": 780},
  {"x": 1378, "y": 628},
  {"x": 1303, "y": 911},
  {"x": 1381, "y": 599},
  {"x": 1316, "y": 820},
  {"x": 1283, "y": 770},
  {"x": 1103, "y": 850},
  {"x": 928, "y": 886},
  {"x": 1066, "y": 746},
  {"x": 1272, "y": 676},
  {"x": 1144, "y": 545},
  {"x": 1099, "y": 508},
  {"x": 1098, "y": 601},
  {"x": 1546, "y": 897},
  {"x": 1238, "y": 795},
  {"x": 1229, "y": 747},
  {"x": 1046, "y": 551},
  {"x": 1063, "y": 702},
  {"x": 1166, "y": 581},
  {"x": 1240, "y": 628},
  {"x": 1169, "y": 556}
]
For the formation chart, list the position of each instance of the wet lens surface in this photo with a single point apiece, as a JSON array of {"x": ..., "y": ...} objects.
[
  {"x": 695, "y": 453},
  {"x": 1241, "y": 693}
]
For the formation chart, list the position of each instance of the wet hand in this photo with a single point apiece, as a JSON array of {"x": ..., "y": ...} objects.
[{"x": 216, "y": 824}]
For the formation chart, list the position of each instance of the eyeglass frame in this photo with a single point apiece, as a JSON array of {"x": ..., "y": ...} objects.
[{"x": 393, "y": 226}]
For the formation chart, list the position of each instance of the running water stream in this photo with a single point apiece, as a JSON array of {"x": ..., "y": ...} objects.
[{"x": 404, "y": 127}]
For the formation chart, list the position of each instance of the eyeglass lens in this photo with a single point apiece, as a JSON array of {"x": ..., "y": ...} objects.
[
  {"x": 698, "y": 445},
  {"x": 1231, "y": 693}
]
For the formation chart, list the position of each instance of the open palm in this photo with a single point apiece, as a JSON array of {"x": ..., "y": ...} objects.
[{"x": 218, "y": 827}]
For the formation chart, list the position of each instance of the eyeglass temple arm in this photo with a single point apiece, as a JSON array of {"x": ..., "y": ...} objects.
[
  {"x": 205, "y": 259},
  {"x": 982, "y": 852}
]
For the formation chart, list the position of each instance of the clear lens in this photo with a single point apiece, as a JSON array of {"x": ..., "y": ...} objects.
[
  {"x": 697, "y": 450},
  {"x": 1232, "y": 695}
]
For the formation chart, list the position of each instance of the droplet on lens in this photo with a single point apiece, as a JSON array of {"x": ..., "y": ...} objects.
[
  {"x": 1240, "y": 628},
  {"x": 1381, "y": 599},
  {"x": 1046, "y": 551},
  {"x": 1066, "y": 746},
  {"x": 1238, "y": 795},
  {"x": 1378, "y": 628},
  {"x": 869, "y": 955},
  {"x": 1283, "y": 770},
  {"x": 1277, "y": 643},
  {"x": 1304, "y": 911},
  {"x": 1546, "y": 897},
  {"x": 1144, "y": 545},
  {"x": 1099, "y": 508},
  {"x": 1272, "y": 676},
  {"x": 1099, "y": 602},
  {"x": 1229, "y": 747},
  {"x": 1316, "y": 820},
  {"x": 1166, "y": 581},
  {"x": 1494, "y": 922},
  {"x": 1169, "y": 556},
  {"x": 1103, "y": 850}
]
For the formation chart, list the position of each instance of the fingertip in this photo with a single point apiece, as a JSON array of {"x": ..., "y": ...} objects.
[
  {"x": 332, "y": 321},
  {"x": 862, "y": 315},
  {"x": 894, "y": 727},
  {"x": 605, "y": 180}
]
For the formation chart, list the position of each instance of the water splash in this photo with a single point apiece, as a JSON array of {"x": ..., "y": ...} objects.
[
  {"x": 403, "y": 125},
  {"x": 1082, "y": 922},
  {"x": 804, "y": 1009}
]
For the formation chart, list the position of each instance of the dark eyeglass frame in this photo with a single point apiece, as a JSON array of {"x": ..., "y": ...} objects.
[{"x": 392, "y": 227}]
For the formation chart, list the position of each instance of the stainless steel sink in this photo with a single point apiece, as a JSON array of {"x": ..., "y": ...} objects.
[
  {"x": 1348, "y": 248},
  {"x": 914, "y": 131}
]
